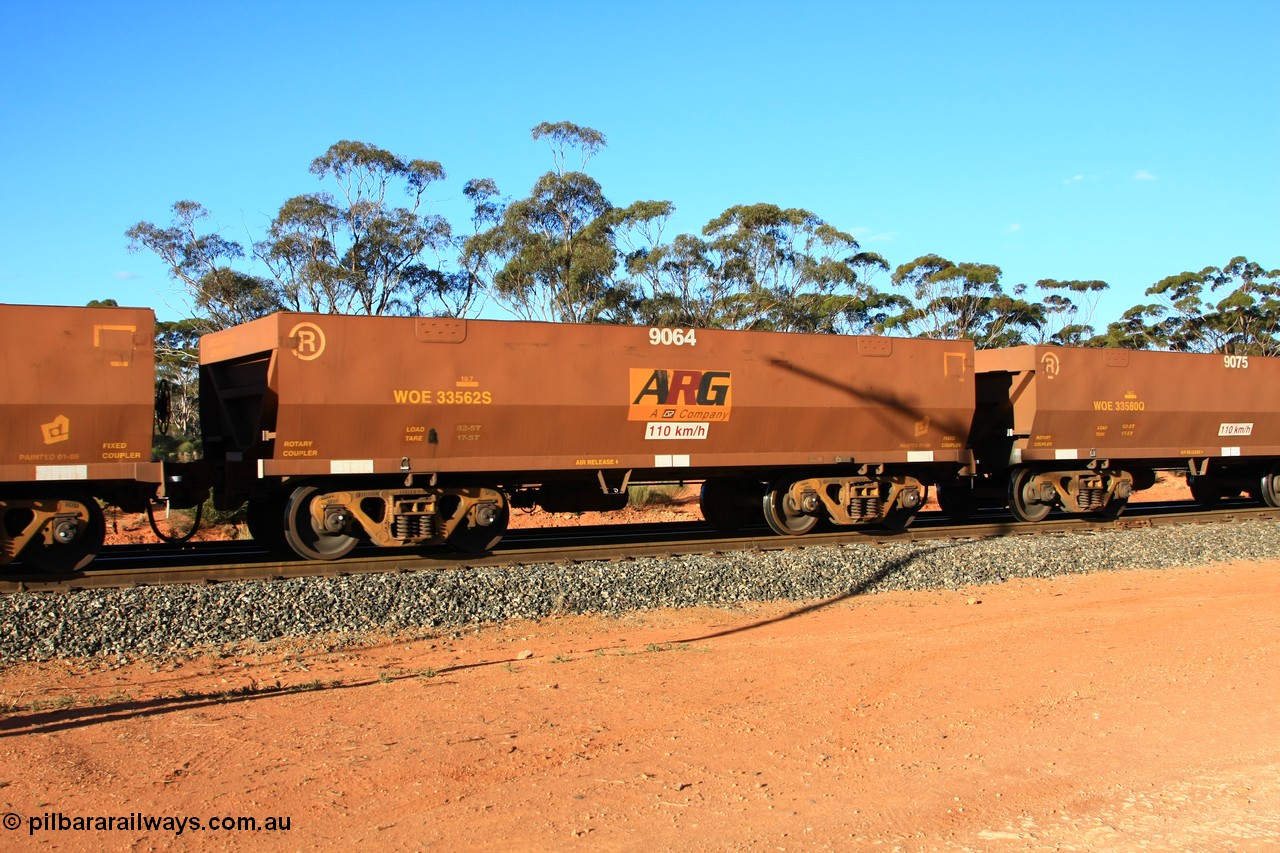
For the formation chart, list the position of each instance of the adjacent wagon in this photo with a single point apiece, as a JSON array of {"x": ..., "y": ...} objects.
[
  {"x": 77, "y": 403},
  {"x": 1080, "y": 429}
]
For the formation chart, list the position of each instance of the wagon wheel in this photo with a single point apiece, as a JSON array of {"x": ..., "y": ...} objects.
[
  {"x": 1270, "y": 487},
  {"x": 783, "y": 515},
  {"x": 481, "y": 531},
  {"x": 1205, "y": 491},
  {"x": 728, "y": 503},
  {"x": 1023, "y": 500},
  {"x": 173, "y": 525},
  {"x": 75, "y": 541},
  {"x": 307, "y": 538}
]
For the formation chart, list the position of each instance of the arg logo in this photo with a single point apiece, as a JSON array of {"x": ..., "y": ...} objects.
[{"x": 665, "y": 394}]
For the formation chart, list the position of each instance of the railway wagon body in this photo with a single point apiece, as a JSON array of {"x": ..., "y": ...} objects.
[
  {"x": 1081, "y": 428},
  {"x": 77, "y": 403},
  {"x": 410, "y": 431}
]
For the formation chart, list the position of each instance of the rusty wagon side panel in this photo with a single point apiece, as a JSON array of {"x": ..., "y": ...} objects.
[
  {"x": 1082, "y": 429},
  {"x": 297, "y": 395},
  {"x": 77, "y": 403},
  {"x": 1063, "y": 403},
  {"x": 77, "y": 395}
]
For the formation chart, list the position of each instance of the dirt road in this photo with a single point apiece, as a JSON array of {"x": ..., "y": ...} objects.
[{"x": 1120, "y": 711}]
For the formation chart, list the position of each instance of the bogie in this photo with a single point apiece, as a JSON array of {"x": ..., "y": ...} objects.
[
  {"x": 63, "y": 534},
  {"x": 325, "y": 521}
]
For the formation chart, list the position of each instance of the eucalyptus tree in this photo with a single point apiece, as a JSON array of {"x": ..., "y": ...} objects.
[
  {"x": 1183, "y": 308},
  {"x": 202, "y": 262},
  {"x": 359, "y": 252},
  {"x": 1072, "y": 317},
  {"x": 664, "y": 282},
  {"x": 1140, "y": 327},
  {"x": 963, "y": 300},
  {"x": 563, "y": 137},
  {"x": 1248, "y": 315},
  {"x": 552, "y": 255},
  {"x": 177, "y": 359},
  {"x": 789, "y": 270},
  {"x": 463, "y": 288},
  {"x": 1234, "y": 309},
  {"x": 368, "y": 247},
  {"x": 672, "y": 283},
  {"x": 755, "y": 266},
  {"x": 868, "y": 310}
]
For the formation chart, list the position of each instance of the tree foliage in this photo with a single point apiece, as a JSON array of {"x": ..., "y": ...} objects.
[
  {"x": 788, "y": 270},
  {"x": 964, "y": 300},
  {"x": 552, "y": 255},
  {"x": 203, "y": 263},
  {"x": 564, "y": 136},
  {"x": 1072, "y": 317},
  {"x": 367, "y": 247},
  {"x": 358, "y": 252},
  {"x": 177, "y": 353},
  {"x": 365, "y": 241},
  {"x": 754, "y": 267},
  {"x": 1233, "y": 309}
]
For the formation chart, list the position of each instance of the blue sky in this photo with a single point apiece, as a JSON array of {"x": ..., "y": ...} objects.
[{"x": 1121, "y": 141}]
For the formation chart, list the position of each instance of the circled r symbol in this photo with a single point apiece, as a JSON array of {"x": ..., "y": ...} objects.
[
  {"x": 308, "y": 341},
  {"x": 1052, "y": 366}
]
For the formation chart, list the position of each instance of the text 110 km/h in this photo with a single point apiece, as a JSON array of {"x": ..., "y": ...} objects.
[{"x": 668, "y": 430}]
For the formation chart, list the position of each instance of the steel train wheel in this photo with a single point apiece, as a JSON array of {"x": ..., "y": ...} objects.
[
  {"x": 76, "y": 542},
  {"x": 478, "y": 538},
  {"x": 1269, "y": 488},
  {"x": 174, "y": 525},
  {"x": 305, "y": 537},
  {"x": 1025, "y": 507},
  {"x": 782, "y": 514}
]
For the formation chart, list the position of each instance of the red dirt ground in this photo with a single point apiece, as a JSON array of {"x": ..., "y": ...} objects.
[{"x": 1115, "y": 711}]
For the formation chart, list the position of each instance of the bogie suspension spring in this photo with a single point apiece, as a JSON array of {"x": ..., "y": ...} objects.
[
  {"x": 865, "y": 507},
  {"x": 414, "y": 520}
]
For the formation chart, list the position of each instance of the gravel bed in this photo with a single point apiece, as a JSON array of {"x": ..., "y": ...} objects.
[{"x": 159, "y": 622}]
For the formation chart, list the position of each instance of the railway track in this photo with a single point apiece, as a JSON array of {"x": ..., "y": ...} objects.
[{"x": 218, "y": 562}]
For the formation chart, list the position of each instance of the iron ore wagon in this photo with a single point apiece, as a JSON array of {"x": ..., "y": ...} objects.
[
  {"x": 415, "y": 431},
  {"x": 77, "y": 402},
  {"x": 1081, "y": 429}
]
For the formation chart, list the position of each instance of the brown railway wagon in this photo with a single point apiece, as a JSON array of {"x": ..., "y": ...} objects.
[
  {"x": 77, "y": 402},
  {"x": 410, "y": 430},
  {"x": 1081, "y": 428}
]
